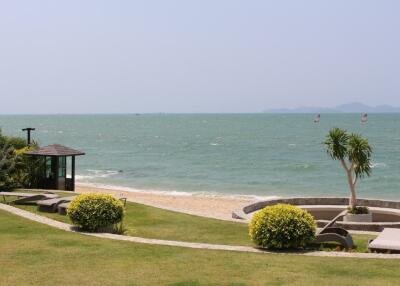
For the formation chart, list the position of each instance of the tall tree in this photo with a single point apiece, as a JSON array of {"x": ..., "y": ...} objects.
[{"x": 354, "y": 153}]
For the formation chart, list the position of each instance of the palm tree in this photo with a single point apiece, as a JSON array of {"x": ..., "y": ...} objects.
[{"x": 354, "y": 153}]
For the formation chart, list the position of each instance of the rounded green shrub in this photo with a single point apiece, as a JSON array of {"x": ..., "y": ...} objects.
[
  {"x": 282, "y": 227},
  {"x": 93, "y": 211}
]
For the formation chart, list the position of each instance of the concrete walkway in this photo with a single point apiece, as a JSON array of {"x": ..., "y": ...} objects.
[{"x": 68, "y": 227}]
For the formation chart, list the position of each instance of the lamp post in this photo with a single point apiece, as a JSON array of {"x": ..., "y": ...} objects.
[{"x": 28, "y": 130}]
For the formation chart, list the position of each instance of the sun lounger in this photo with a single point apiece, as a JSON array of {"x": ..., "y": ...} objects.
[
  {"x": 388, "y": 241},
  {"x": 62, "y": 208},
  {"x": 52, "y": 204},
  {"x": 26, "y": 198},
  {"x": 335, "y": 234}
]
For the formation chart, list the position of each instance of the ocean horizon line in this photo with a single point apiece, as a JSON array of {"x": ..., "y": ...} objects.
[{"x": 192, "y": 113}]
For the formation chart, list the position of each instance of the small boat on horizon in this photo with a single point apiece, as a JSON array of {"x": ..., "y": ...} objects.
[{"x": 317, "y": 118}]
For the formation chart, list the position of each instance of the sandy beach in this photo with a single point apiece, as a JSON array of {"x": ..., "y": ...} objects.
[{"x": 219, "y": 207}]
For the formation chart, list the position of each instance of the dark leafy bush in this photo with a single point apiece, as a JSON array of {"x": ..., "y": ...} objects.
[
  {"x": 282, "y": 227},
  {"x": 8, "y": 168},
  {"x": 30, "y": 169},
  {"x": 93, "y": 211},
  {"x": 17, "y": 169},
  {"x": 358, "y": 210},
  {"x": 11, "y": 141},
  {"x": 17, "y": 142}
]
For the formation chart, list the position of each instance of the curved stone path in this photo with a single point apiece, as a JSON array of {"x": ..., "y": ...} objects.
[{"x": 68, "y": 227}]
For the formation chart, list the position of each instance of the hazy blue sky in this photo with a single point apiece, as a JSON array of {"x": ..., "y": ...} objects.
[{"x": 196, "y": 56}]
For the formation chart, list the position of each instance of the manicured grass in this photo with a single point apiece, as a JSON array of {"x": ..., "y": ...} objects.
[
  {"x": 153, "y": 222},
  {"x": 35, "y": 254},
  {"x": 150, "y": 222}
]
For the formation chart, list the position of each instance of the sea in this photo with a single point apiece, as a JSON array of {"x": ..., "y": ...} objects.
[{"x": 255, "y": 155}]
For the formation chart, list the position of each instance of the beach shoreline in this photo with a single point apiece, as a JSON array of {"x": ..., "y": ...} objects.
[{"x": 218, "y": 207}]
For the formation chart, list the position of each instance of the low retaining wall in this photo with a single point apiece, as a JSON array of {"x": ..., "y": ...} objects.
[
  {"x": 384, "y": 211},
  {"x": 367, "y": 226},
  {"x": 321, "y": 201}
]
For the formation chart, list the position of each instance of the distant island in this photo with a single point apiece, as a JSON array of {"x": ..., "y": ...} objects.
[{"x": 354, "y": 107}]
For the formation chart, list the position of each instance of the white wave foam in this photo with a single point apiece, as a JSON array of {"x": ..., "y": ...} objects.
[
  {"x": 377, "y": 165},
  {"x": 93, "y": 174},
  {"x": 304, "y": 166},
  {"x": 83, "y": 177},
  {"x": 176, "y": 193}
]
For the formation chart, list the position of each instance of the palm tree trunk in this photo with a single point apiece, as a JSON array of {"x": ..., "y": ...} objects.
[
  {"x": 353, "y": 196},
  {"x": 352, "y": 184}
]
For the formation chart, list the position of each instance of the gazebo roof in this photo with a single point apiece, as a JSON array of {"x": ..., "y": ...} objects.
[{"x": 55, "y": 150}]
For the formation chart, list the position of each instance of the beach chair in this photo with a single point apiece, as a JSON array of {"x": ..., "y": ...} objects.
[
  {"x": 335, "y": 234},
  {"x": 51, "y": 205},
  {"x": 388, "y": 241},
  {"x": 26, "y": 198},
  {"x": 62, "y": 208}
]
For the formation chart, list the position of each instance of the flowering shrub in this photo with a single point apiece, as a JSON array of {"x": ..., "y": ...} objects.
[
  {"x": 93, "y": 211},
  {"x": 281, "y": 227}
]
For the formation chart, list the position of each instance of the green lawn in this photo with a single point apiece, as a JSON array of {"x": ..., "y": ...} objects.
[
  {"x": 150, "y": 222},
  {"x": 35, "y": 254},
  {"x": 145, "y": 221}
]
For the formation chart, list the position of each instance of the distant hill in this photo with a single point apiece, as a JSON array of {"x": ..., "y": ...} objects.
[{"x": 354, "y": 107}]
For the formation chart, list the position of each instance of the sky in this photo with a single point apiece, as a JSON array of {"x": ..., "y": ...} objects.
[{"x": 196, "y": 56}]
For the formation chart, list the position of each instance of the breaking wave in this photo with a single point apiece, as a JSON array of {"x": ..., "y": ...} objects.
[
  {"x": 94, "y": 174},
  {"x": 377, "y": 165}
]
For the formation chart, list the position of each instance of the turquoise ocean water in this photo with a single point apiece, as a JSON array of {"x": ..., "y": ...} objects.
[{"x": 247, "y": 154}]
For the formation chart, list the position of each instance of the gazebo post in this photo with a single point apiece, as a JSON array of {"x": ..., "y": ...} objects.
[
  {"x": 73, "y": 174},
  {"x": 54, "y": 168}
]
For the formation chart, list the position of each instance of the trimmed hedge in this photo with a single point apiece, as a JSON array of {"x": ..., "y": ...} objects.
[
  {"x": 93, "y": 211},
  {"x": 282, "y": 227}
]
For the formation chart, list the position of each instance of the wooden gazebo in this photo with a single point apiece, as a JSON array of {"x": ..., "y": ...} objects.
[{"x": 54, "y": 175}]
